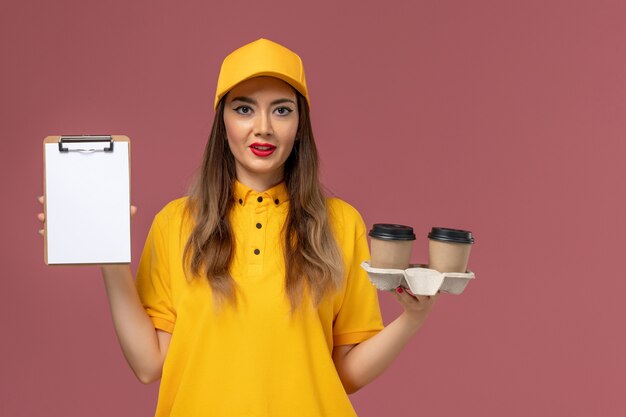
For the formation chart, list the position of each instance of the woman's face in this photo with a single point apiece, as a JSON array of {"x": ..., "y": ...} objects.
[{"x": 261, "y": 119}]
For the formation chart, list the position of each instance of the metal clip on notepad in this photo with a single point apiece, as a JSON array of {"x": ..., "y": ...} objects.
[{"x": 105, "y": 143}]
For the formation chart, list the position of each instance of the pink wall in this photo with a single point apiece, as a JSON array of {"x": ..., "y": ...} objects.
[{"x": 506, "y": 118}]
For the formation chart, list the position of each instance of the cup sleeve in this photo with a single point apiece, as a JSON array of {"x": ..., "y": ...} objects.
[
  {"x": 359, "y": 316},
  {"x": 153, "y": 280}
]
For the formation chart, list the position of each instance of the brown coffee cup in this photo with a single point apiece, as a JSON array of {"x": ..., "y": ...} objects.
[
  {"x": 391, "y": 246},
  {"x": 449, "y": 249}
]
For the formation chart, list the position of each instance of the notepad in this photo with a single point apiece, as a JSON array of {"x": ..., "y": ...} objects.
[{"x": 87, "y": 200}]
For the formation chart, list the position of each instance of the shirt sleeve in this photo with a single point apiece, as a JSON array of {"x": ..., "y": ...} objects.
[
  {"x": 359, "y": 316},
  {"x": 153, "y": 280}
]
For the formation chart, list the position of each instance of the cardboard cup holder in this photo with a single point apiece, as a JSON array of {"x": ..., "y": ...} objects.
[{"x": 419, "y": 279}]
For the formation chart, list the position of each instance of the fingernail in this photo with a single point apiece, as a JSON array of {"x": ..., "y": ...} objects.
[{"x": 399, "y": 290}]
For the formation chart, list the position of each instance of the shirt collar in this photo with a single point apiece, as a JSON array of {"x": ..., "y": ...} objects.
[{"x": 278, "y": 194}]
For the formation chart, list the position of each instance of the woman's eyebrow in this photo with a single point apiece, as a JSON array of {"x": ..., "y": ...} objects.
[
  {"x": 273, "y": 103},
  {"x": 282, "y": 100},
  {"x": 245, "y": 100}
]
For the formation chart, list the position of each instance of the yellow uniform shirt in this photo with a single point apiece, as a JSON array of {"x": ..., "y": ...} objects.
[{"x": 254, "y": 359}]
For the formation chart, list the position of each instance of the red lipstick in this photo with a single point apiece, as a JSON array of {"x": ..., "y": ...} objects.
[{"x": 262, "y": 149}]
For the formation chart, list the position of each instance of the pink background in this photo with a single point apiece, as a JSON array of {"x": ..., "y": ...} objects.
[{"x": 503, "y": 117}]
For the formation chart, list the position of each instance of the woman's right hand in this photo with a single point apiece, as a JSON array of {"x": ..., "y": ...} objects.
[{"x": 42, "y": 217}]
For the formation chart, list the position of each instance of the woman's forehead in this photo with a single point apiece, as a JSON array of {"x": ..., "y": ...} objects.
[{"x": 262, "y": 85}]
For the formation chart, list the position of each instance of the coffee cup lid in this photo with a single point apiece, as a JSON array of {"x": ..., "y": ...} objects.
[
  {"x": 451, "y": 235},
  {"x": 387, "y": 231}
]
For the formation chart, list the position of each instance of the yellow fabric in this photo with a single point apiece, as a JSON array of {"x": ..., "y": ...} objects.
[{"x": 254, "y": 359}]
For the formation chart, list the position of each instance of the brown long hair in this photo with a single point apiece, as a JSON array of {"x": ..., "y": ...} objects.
[{"x": 312, "y": 258}]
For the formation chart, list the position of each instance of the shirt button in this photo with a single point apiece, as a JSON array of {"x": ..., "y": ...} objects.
[
  {"x": 276, "y": 201},
  {"x": 260, "y": 199},
  {"x": 256, "y": 251},
  {"x": 258, "y": 225},
  {"x": 240, "y": 201}
]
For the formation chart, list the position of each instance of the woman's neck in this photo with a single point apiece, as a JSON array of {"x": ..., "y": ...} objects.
[{"x": 260, "y": 183}]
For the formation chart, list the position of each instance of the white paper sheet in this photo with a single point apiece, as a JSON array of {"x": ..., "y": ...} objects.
[{"x": 87, "y": 204}]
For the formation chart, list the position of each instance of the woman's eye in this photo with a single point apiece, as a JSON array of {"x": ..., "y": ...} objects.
[
  {"x": 283, "y": 111},
  {"x": 243, "y": 110}
]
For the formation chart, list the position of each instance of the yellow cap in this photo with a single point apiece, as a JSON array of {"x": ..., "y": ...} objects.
[{"x": 261, "y": 57}]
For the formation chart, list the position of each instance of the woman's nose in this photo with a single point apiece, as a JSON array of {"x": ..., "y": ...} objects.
[{"x": 263, "y": 125}]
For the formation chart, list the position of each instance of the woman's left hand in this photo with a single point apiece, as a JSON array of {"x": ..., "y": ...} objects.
[{"x": 415, "y": 305}]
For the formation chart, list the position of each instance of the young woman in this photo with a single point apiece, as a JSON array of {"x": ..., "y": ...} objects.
[{"x": 249, "y": 298}]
